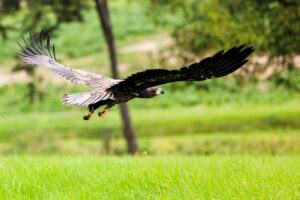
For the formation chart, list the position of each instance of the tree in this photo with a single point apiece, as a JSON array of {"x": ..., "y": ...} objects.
[{"x": 102, "y": 8}]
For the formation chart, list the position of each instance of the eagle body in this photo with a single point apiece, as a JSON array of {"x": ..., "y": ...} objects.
[
  {"x": 108, "y": 92},
  {"x": 123, "y": 97}
]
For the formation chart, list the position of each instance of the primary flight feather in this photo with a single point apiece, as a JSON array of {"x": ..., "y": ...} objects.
[{"x": 109, "y": 92}]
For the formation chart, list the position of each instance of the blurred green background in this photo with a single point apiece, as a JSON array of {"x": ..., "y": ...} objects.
[{"x": 254, "y": 111}]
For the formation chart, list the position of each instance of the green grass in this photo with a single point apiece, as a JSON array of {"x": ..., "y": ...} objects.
[{"x": 181, "y": 177}]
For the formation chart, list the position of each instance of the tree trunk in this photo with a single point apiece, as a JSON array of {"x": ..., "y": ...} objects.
[{"x": 128, "y": 131}]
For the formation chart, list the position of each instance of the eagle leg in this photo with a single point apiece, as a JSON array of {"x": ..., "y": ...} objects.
[
  {"x": 89, "y": 114},
  {"x": 103, "y": 112}
]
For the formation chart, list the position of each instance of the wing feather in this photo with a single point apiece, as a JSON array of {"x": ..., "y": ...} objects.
[
  {"x": 220, "y": 64},
  {"x": 38, "y": 54}
]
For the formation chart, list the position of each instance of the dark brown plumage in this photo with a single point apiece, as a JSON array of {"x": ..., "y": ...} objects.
[{"x": 109, "y": 92}]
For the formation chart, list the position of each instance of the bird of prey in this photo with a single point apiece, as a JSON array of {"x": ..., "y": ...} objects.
[{"x": 109, "y": 92}]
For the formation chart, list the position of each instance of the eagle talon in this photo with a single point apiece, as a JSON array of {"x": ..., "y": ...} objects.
[
  {"x": 87, "y": 116},
  {"x": 103, "y": 113}
]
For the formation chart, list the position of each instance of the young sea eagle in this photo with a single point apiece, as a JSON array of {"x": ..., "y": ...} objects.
[{"x": 109, "y": 92}]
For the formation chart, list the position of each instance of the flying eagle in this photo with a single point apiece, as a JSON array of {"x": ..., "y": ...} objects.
[{"x": 109, "y": 92}]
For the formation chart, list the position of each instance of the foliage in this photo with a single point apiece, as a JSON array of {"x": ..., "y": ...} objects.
[
  {"x": 220, "y": 116},
  {"x": 270, "y": 26},
  {"x": 127, "y": 28},
  {"x": 180, "y": 177},
  {"x": 37, "y": 15}
]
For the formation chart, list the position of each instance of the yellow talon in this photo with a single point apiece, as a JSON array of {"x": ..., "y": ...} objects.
[
  {"x": 88, "y": 116},
  {"x": 103, "y": 113}
]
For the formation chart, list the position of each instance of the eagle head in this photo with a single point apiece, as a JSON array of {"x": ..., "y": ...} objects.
[{"x": 151, "y": 92}]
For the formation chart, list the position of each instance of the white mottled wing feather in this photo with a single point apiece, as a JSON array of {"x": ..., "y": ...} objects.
[
  {"x": 73, "y": 75},
  {"x": 86, "y": 98},
  {"x": 37, "y": 54}
]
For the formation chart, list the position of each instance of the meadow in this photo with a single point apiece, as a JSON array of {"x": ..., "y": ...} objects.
[{"x": 175, "y": 177}]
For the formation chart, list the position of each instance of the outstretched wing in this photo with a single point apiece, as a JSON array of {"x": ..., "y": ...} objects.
[
  {"x": 220, "y": 64},
  {"x": 36, "y": 53}
]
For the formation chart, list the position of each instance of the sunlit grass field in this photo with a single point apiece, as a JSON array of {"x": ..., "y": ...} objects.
[{"x": 175, "y": 177}]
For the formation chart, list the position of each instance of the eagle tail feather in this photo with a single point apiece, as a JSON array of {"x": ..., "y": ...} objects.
[
  {"x": 85, "y": 98},
  {"x": 76, "y": 99}
]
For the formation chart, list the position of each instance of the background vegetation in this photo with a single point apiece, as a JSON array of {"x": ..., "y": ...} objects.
[{"x": 193, "y": 27}]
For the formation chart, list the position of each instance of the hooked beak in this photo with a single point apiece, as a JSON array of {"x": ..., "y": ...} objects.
[{"x": 160, "y": 91}]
